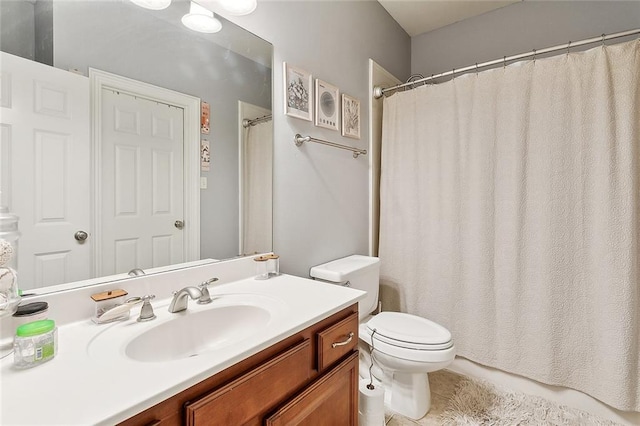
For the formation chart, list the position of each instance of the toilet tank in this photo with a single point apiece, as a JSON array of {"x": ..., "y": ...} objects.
[{"x": 356, "y": 271}]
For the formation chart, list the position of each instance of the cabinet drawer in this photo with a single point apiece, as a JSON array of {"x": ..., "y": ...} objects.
[
  {"x": 251, "y": 394},
  {"x": 336, "y": 341},
  {"x": 331, "y": 400}
]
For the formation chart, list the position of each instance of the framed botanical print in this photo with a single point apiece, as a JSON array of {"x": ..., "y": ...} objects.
[
  {"x": 297, "y": 92},
  {"x": 350, "y": 117}
]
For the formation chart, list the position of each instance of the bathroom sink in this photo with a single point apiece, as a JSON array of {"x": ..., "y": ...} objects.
[
  {"x": 195, "y": 332},
  {"x": 229, "y": 319}
]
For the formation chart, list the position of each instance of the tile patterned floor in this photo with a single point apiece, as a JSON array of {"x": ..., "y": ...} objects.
[{"x": 442, "y": 385}]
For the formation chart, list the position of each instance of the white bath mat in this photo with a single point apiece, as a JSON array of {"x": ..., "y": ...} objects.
[{"x": 476, "y": 402}]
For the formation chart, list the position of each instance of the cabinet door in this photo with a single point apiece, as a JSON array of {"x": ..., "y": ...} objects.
[
  {"x": 247, "y": 398},
  {"x": 331, "y": 400}
]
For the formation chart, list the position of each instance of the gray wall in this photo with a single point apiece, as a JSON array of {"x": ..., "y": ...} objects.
[
  {"x": 17, "y": 28},
  {"x": 518, "y": 28},
  {"x": 124, "y": 39},
  {"x": 44, "y": 31},
  {"x": 321, "y": 193}
]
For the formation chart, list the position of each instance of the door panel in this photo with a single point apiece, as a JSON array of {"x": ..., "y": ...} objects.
[
  {"x": 45, "y": 160},
  {"x": 142, "y": 183}
]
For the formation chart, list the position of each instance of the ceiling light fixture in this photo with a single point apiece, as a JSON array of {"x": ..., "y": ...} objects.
[
  {"x": 152, "y": 4},
  {"x": 239, "y": 7},
  {"x": 201, "y": 20}
]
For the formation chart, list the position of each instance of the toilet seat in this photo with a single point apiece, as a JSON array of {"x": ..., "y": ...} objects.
[
  {"x": 409, "y": 331},
  {"x": 411, "y": 345},
  {"x": 408, "y": 337}
]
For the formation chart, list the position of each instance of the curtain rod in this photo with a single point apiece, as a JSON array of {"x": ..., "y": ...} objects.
[
  {"x": 299, "y": 140},
  {"x": 379, "y": 92},
  {"x": 246, "y": 123}
]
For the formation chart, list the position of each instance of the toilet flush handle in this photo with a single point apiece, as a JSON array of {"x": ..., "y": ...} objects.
[{"x": 346, "y": 342}]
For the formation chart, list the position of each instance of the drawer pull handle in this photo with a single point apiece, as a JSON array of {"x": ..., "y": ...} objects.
[{"x": 346, "y": 342}]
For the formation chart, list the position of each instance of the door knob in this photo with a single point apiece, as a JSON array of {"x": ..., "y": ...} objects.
[
  {"x": 81, "y": 236},
  {"x": 179, "y": 224}
]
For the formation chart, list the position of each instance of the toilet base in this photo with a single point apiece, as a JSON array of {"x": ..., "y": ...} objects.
[{"x": 408, "y": 394}]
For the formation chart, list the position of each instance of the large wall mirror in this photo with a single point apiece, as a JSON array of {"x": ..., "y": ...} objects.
[{"x": 91, "y": 168}]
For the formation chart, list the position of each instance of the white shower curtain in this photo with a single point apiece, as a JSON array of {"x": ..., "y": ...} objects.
[
  {"x": 257, "y": 223},
  {"x": 509, "y": 214}
]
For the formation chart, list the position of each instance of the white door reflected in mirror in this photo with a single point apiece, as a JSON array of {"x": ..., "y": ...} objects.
[
  {"x": 47, "y": 137},
  {"x": 141, "y": 183}
]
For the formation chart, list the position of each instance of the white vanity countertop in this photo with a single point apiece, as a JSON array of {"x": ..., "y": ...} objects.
[{"x": 83, "y": 385}]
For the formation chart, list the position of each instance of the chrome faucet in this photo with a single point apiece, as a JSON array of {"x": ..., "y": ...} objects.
[{"x": 179, "y": 301}]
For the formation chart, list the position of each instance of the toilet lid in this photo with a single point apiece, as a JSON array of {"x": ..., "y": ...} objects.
[{"x": 408, "y": 330}]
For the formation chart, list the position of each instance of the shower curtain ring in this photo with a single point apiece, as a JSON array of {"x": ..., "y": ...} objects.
[
  {"x": 504, "y": 62},
  {"x": 476, "y": 68},
  {"x": 603, "y": 36},
  {"x": 534, "y": 56},
  {"x": 453, "y": 74},
  {"x": 568, "y": 47}
]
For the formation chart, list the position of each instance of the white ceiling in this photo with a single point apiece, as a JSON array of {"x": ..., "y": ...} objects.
[{"x": 420, "y": 16}]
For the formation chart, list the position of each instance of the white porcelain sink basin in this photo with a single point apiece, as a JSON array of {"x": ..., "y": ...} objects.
[
  {"x": 196, "y": 332},
  {"x": 201, "y": 329}
]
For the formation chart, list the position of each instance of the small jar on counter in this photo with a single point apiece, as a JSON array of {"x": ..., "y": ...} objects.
[
  {"x": 35, "y": 343},
  {"x": 30, "y": 312},
  {"x": 262, "y": 273},
  {"x": 273, "y": 265}
]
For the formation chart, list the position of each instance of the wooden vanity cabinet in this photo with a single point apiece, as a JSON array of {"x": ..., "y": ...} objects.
[{"x": 309, "y": 378}]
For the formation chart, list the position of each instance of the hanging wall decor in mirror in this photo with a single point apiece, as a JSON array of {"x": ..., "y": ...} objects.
[{"x": 102, "y": 154}]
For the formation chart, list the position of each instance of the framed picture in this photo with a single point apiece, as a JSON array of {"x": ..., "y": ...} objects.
[
  {"x": 350, "y": 117},
  {"x": 327, "y": 107},
  {"x": 205, "y": 155},
  {"x": 297, "y": 92},
  {"x": 205, "y": 112}
]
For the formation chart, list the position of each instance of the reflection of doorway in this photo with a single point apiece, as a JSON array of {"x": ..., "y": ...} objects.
[
  {"x": 142, "y": 181},
  {"x": 146, "y": 142},
  {"x": 44, "y": 169},
  {"x": 256, "y": 170}
]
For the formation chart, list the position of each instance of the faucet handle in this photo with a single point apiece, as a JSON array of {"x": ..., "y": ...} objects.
[
  {"x": 146, "y": 312},
  {"x": 209, "y": 281},
  {"x": 204, "y": 288}
]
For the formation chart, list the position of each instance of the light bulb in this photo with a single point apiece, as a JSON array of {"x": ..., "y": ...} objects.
[
  {"x": 152, "y": 4},
  {"x": 201, "y": 20},
  {"x": 238, "y": 7}
]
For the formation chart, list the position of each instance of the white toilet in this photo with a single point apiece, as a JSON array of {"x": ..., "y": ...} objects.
[{"x": 405, "y": 347}]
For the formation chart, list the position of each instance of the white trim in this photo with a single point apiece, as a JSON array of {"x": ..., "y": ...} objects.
[
  {"x": 378, "y": 76},
  {"x": 241, "y": 131},
  {"x": 99, "y": 80}
]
